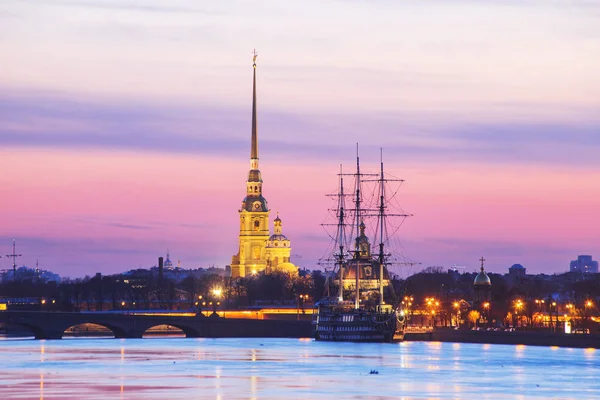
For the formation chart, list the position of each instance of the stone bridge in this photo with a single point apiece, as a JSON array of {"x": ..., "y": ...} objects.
[{"x": 52, "y": 325}]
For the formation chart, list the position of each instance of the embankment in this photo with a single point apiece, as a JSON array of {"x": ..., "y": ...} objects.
[{"x": 514, "y": 338}]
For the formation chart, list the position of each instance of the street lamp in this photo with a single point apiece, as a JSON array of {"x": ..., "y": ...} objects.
[
  {"x": 217, "y": 293},
  {"x": 518, "y": 306},
  {"x": 486, "y": 307},
  {"x": 554, "y": 306},
  {"x": 301, "y": 298},
  {"x": 456, "y": 305}
]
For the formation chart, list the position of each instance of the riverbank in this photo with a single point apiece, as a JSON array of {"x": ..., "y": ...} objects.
[
  {"x": 223, "y": 328},
  {"x": 513, "y": 338}
]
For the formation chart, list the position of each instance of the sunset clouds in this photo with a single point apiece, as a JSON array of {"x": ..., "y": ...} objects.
[{"x": 125, "y": 129}]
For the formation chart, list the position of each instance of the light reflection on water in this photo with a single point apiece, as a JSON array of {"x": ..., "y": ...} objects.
[{"x": 291, "y": 368}]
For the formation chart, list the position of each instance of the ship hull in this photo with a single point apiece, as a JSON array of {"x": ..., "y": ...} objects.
[{"x": 357, "y": 326}]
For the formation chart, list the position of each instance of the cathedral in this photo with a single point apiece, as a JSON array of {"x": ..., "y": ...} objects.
[{"x": 258, "y": 249}]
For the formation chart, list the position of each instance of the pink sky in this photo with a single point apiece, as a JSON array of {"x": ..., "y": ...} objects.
[{"x": 125, "y": 130}]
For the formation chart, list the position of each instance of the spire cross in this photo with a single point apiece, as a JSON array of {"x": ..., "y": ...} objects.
[
  {"x": 254, "y": 55},
  {"x": 482, "y": 260}
]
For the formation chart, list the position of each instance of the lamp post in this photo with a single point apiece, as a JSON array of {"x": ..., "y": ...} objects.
[
  {"x": 456, "y": 305},
  {"x": 199, "y": 304},
  {"x": 588, "y": 305},
  {"x": 518, "y": 307},
  {"x": 217, "y": 294},
  {"x": 486, "y": 307},
  {"x": 553, "y": 325},
  {"x": 301, "y": 298}
]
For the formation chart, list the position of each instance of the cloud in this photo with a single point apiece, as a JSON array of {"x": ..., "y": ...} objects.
[
  {"x": 129, "y": 226},
  {"x": 54, "y": 120},
  {"x": 500, "y": 254}
]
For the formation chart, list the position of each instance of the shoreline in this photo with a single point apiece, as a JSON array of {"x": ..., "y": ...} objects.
[
  {"x": 240, "y": 328},
  {"x": 544, "y": 339}
]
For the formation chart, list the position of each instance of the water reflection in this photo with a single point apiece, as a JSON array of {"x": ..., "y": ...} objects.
[
  {"x": 253, "y": 380},
  {"x": 289, "y": 368}
]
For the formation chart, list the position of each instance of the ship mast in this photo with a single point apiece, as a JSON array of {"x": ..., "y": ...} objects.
[
  {"x": 358, "y": 215},
  {"x": 381, "y": 229},
  {"x": 341, "y": 239}
]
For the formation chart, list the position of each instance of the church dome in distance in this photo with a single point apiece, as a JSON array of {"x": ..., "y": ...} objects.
[
  {"x": 287, "y": 267},
  {"x": 482, "y": 279},
  {"x": 517, "y": 266},
  {"x": 277, "y": 236}
]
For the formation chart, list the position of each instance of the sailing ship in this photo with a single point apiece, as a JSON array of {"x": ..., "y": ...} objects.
[{"x": 366, "y": 317}]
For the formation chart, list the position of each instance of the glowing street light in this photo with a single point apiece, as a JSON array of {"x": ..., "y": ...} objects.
[{"x": 217, "y": 293}]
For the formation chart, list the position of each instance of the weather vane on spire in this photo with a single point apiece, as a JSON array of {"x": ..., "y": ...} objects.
[{"x": 254, "y": 55}]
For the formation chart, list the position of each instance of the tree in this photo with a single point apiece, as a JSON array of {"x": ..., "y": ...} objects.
[{"x": 473, "y": 317}]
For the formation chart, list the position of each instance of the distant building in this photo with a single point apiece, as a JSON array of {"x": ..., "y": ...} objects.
[
  {"x": 24, "y": 273},
  {"x": 584, "y": 264},
  {"x": 368, "y": 269},
  {"x": 482, "y": 286},
  {"x": 517, "y": 270}
]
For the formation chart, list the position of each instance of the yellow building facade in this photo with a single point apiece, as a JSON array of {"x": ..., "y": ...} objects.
[{"x": 258, "y": 249}]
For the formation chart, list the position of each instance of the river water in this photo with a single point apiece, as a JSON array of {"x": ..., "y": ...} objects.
[{"x": 180, "y": 368}]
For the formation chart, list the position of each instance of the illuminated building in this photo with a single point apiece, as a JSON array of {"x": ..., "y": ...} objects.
[
  {"x": 482, "y": 286},
  {"x": 258, "y": 250},
  {"x": 584, "y": 264},
  {"x": 363, "y": 262}
]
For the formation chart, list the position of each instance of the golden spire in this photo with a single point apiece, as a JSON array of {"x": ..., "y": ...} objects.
[{"x": 254, "y": 150}]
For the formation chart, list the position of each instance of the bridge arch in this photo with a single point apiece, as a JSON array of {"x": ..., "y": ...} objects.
[
  {"x": 88, "y": 329},
  {"x": 35, "y": 330},
  {"x": 180, "y": 329},
  {"x": 117, "y": 331}
]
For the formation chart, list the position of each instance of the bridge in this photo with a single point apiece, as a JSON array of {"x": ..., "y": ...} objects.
[{"x": 52, "y": 325}]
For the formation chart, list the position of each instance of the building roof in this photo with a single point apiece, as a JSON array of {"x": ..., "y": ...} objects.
[
  {"x": 248, "y": 203},
  {"x": 279, "y": 236},
  {"x": 287, "y": 267},
  {"x": 482, "y": 279}
]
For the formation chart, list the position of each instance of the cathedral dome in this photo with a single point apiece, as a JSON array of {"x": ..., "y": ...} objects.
[
  {"x": 287, "y": 267},
  {"x": 482, "y": 279},
  {"x": 278, "y": 237},
  {"x": 255, "y": 203}
]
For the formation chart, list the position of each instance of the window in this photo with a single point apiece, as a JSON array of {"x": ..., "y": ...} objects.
[{"x": 256, "y": 225}]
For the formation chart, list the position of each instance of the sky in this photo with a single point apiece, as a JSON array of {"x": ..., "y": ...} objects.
[{"x": 125, "y": 127}]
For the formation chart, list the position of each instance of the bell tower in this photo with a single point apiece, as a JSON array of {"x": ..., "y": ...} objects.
[{"x": 254, "y": 212}]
